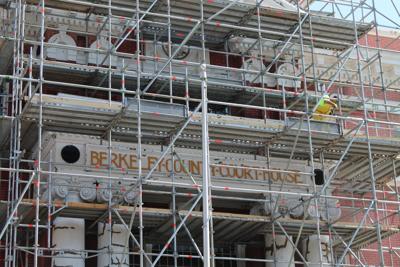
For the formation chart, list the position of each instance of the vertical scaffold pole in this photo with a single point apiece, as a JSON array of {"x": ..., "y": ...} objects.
[
  {"x": 40, "y": 125},
  {"x": 206, "y": 185},
  {"x": 205, "y": 151}
]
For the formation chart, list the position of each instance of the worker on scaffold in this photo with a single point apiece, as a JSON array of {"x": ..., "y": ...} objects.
[{"x": 326, "y": 106}]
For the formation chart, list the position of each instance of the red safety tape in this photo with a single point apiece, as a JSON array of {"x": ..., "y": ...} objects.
[
  {"x": 179, "y": 34},
  {"x": 173, "y": 78},
  {"x": 227, "y": 188}
]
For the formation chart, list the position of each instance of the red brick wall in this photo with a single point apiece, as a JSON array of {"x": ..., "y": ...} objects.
[
  {"x": 389, "y": 217},
  {"x": 370, "y": 255},
  {"x": 376, "y": 129},
  {"x": 219, "y": 59},
  {"x": 385, "y": 42},
  {"x": 375, "y": 93},
  {"x": 3, "y": 186}
]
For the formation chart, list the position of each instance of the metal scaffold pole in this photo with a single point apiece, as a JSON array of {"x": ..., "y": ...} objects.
[
  {"x": 206, "y": 192},
  {"x": 204, "y": 121}
]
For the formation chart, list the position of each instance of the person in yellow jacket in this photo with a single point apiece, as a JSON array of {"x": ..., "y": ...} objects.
[{"x": 326, "y": 106}]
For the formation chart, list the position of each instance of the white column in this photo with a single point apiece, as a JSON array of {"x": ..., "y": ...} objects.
[
  {"x": 111, "y": 246},
  {"x": 311, "y": 251},
  {"x": 283, "y": 254},
  {"x": 148, "y": 248},
  {"x": 241, "y": 253},
  {"x": 68, "y": 238}
]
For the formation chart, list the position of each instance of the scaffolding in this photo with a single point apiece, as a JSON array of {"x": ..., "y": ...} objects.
[{"x": 226, "y": 89}]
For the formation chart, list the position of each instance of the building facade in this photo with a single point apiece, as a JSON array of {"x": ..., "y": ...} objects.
[{"x": 190, "y": 133}]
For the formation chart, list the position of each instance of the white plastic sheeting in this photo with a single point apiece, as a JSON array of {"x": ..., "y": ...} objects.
[
  {"x": 61, "y": 53},
  {"x": 283, "y": 254},
  {"x": 281, "y": 205},
  {"x": 295, "y": 207},
  {"x": 270, "y": 4},
  {"x": 256, "y": 65},
  {"x": 311, "y": 251},
  {"x": 288, "y": 69},
  {"x": 100, "y": 57},
  {"x": 328, "y": 210},
  {"x": 245, "y": 45},
  {"x": 186, "y": 55},
  {"x": 111, "y": 243},
  {"x": 267, "y": 207},
  {"x": 68, "y": 239}
]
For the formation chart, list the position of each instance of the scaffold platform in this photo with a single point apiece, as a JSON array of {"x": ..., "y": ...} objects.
[{"x": 228, "y": 226}]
